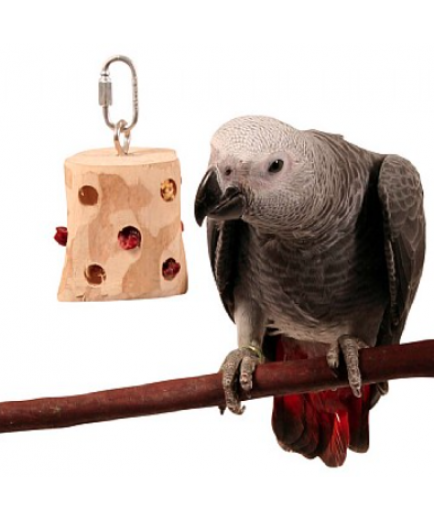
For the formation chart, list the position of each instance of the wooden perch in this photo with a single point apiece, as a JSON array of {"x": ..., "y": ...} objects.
[{"x": 377, "y": 364}]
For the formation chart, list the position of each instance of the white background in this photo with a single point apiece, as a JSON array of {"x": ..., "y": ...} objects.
[{"x": 364, "y": 69}]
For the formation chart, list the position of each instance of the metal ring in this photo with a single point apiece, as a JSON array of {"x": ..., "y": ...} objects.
[{"x": 121, "y": 128}]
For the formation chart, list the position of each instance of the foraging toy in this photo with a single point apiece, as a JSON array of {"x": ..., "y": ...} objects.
[{"x": 124, "y": 233}]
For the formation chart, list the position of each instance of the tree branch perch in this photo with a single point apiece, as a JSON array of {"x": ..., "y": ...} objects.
[{"x": 377, "y": 364}]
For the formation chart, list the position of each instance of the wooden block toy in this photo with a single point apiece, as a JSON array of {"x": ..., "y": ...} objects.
[{"x": 124, "y": 238}]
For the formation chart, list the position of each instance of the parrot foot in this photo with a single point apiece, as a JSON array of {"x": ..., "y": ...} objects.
[
  {"x": 238, "y": 369},
  {"x": 349, "y": 347}
]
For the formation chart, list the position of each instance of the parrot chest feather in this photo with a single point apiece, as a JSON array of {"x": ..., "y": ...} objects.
[{"x": 317, "y": 294}]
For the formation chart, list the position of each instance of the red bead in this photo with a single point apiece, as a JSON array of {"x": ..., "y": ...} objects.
[
  {"x": 170, "y": 269},
  {"x": 61, "y": 235},
  {"x": 129, "y": 238}
]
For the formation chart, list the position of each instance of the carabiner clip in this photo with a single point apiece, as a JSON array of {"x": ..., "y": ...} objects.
[{"x": 105, "y": 100}]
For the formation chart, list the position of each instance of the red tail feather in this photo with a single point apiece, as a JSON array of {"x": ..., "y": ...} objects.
[{"x": 323, "y": 424}]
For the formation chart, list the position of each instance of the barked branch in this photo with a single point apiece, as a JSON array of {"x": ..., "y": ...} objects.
[{"x": 377, "y": 364}]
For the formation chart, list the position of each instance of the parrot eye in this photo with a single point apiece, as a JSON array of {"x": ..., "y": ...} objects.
[{"x": 276, "y": 166}]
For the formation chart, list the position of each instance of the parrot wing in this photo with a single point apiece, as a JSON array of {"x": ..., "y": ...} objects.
[
  {"x": 223, "y": 249},
  {"x": 401, "y": 197}
]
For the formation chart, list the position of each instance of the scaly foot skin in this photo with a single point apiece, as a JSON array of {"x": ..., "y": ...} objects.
[
  {"x": 349, "y": 346},
  {"x": 383, "y": 388},
  {"x": 238, "y": 369}
]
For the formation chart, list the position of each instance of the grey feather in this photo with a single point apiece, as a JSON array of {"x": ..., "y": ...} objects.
[
  {"x": 311, "y": 238},
  {"x": 223, "y": 244},
  {"x": 332, "y": 245},
  {"x": 401, "y": 197}
]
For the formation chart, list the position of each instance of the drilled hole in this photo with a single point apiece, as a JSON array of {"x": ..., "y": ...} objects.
[
  {"x": 129, "y": 238},
  {"x": 170, "y": 269},
  {"x": 88, "y": 195},
  {"x": 168, "y": 190},
  {"x": 95, "y": 274}
]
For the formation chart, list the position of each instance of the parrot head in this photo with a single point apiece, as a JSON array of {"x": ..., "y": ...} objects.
[{"x": 259, "y": 171}]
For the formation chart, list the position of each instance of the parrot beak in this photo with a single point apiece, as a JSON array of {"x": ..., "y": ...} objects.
[{"x": 212, "y": 202}]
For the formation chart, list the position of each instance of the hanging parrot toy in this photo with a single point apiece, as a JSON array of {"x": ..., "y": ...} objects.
[{"x": 317, "y": 249}]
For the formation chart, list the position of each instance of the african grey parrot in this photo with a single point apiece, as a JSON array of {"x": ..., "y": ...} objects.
[{"x": 317, "y": 248}]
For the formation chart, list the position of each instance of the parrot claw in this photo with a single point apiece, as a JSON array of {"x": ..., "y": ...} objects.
[
  {"x": 349, "y": 347},
  {"x": 238, "y": 369}
]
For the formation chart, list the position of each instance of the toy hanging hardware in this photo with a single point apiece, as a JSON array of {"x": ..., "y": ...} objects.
[{"x": 122, "y": 128}]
